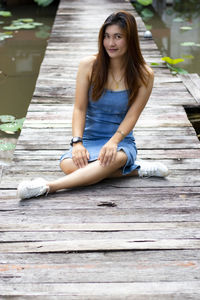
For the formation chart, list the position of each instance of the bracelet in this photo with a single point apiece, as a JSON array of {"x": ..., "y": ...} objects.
[{"x": 121, "y": 132}]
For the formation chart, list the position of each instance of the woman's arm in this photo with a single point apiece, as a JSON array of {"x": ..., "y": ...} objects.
[
  {"x": 108, "y": 152},
  {"x": 80, "y": 155}
]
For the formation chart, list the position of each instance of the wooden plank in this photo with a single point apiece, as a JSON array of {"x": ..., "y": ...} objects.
[
  {"x": 91, "y": 271},
  {"x": 111, "y": 290},
  {"x": 101, "y": 227},
  {"x": 192, "y": 83},
  {"x": 99, "y": 245}
]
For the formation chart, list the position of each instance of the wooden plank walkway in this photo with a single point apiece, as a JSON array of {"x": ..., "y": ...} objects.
[{"x": 69, "y": 246}]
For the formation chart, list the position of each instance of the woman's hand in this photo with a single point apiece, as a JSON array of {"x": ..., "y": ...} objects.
[
  {"x": 80, "y": 155},
  {"x": 108, "y": 153}
]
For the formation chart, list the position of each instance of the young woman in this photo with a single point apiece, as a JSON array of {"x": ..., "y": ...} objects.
[{"x": 112, "y": 89}]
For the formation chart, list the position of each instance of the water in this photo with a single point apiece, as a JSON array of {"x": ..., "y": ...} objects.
[
  {"x": 172, "y": 25},
  {"x": 20, "y": 60}
]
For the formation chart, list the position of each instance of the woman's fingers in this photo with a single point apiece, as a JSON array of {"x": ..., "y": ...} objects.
[
  {"x": 107, "y": 155},
  {"x": 80, "y": 156}
]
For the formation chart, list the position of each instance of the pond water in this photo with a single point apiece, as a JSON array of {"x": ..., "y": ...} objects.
[
  {"x": 175, "y": 29},
  {"x": 20, "y": 60}
]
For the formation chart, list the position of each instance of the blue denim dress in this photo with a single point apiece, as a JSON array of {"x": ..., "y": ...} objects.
[{"x": 103, "y": 118}]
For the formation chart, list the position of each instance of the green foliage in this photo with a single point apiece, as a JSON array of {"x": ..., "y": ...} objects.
[
  {"x": 5, "y": 35},
  {"x": 22, "y": 24},
  {"x": 186, "y": 44},
  {"x": 172, "y": 61},
  {"x": 11, "y": 125},
  {"x": 178, "y": 20},
  {"x": 176, "y": 70},
  {"x": 170, "y": 64},
  {"x": 186, "y": 28},
  {"x": 147, "y": 13},
  {"x": 6, "y": 146},
  {"x": 43, "y": 2},
  {"x": 145, "y": 2},
  {"x": 155, "y": 64},
  {"x": 4, "y": 13}
]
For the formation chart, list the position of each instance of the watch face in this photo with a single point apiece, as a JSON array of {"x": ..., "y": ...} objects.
[{"x": 76, "y": 139}]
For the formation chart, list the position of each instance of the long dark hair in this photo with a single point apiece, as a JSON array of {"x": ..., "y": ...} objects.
[{"x": 135, "y": 71}]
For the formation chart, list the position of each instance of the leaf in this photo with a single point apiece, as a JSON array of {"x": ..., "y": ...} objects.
[
  {"x": 11, "y": 128},
  {"x": 147, "y": 13},
  {"x": 4, "y": 36},
  {"x": 37, "y": 24},
  {"x": 177, "y": 70},
  {"x": 12, "y": 27},
  {"x": 43, "y": 2},
  {"x": 186, "y": 28},
  {"x": 7, "y": 118},
  {"x": 178, "y": 20},
  {"x": 155, "y": 64},
  {"x": 5, "y": 13},
  {"x": 26, "y": 20},
  {"x": 6, "y": 146},
  {"x": 148, "y": 27},
  {"x": 172, "y": 61},
  {"x": 28, "y": 26},
  {"x": 42, "y": 34},
  {"x": 188, "y": 56},
  {"x": 145, "y": 2},
  {"x": 185, "y": 44}
]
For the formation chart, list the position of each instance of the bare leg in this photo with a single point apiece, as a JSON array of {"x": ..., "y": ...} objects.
[
  {"x": 67, "y": 166},
  {"x": 88, "y": 175},
  {"x": 118, "y": 174}
]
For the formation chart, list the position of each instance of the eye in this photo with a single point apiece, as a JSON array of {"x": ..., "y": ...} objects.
[
  {"x": 106, "y": 36},
  {"x": 118, "y": 36}
]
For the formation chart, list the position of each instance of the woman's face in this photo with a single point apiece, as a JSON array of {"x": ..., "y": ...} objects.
[{"x": 115, "y": 41}]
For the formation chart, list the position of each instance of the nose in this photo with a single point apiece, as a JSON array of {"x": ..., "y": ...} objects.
[{"x": 111, "y": 42}]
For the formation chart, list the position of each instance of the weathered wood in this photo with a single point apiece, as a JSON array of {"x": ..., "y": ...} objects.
[
  {"x": 111, "y": 290},
  {"x": 72, "y": 244},
  {"x": 192, "y": 83}
]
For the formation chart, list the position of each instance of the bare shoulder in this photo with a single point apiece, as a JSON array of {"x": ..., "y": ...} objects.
[
  {"x": 87, "y": 62},
  {"x": 148, "y": 72}
]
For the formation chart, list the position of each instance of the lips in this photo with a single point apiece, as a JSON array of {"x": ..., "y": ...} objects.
[{"x": 112, "y": 50}]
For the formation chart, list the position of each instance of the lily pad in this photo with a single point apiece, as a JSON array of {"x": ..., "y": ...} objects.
[
  {"x": 171, "y": 60},
  {"x": 4, "y": 36},
  {"x": 147, "y": 13},
  {"x": 186, "y": 28},
  {"x": 188, "y": 56},
  {"x": 185, "y": 44},
  {"x": 12, "y": 27},
  {"x": 43, "y": 2},
  {"x": 26, "y": 20},
  {"x": 145, "y": 2},
  {"x": 5, "y": 13},
  {"x": 11, "y": 128},
  {"x": 178, "y": 20},
  {"x": 6, "y": 146},
  {"x": 7, "y": 118}
]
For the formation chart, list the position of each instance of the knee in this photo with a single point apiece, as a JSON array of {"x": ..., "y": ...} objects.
[
  {"x": 121, "y": 157},
  {"x": 67, "y": 166}
]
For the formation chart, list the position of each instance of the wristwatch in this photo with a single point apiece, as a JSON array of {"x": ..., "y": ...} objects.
[{"x": 76, "y": 139}]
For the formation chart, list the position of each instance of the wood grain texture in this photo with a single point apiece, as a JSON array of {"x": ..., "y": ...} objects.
[{"x": 130, "y": 238}]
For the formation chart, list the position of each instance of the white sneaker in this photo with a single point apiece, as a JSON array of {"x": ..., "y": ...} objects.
[
  {"x": 32, "y": 188},
  {"x": 149, "y": 169}
]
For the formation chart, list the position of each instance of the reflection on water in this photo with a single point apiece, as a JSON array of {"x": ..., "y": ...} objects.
[{"x": 20, "y": 60}]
